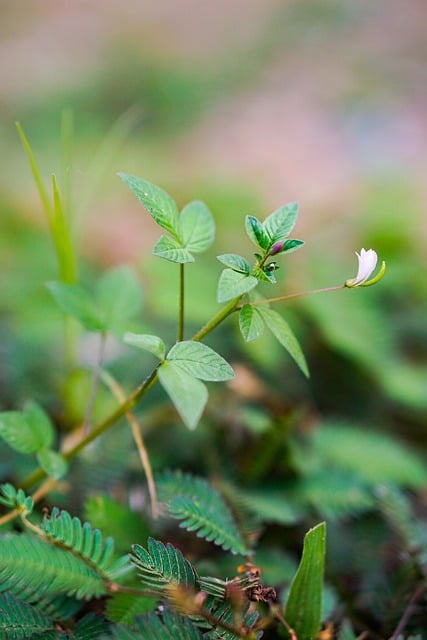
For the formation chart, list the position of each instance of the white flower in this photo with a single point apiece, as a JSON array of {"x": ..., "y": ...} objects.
[{"x": 367, "y": 262}]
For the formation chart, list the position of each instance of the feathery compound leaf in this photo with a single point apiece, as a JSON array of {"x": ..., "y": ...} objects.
[
  {"x": 158, "y": 203},
  {"x": 304, "y": 605},
  {"x": 31, "y": 568},
  {"x": 20, "y": 620},
  {"x": 15, "y": 498},
  {"x": 171, "y": 626},
  {"x": 200, "y": 508},
  {"x": 83, "y": 540},
  {"x": 163, "y": 566},
  {"x": 200, "y": 361}
]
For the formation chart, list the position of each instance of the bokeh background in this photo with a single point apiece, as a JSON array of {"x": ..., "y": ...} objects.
[{"x": 245, "y": 104}]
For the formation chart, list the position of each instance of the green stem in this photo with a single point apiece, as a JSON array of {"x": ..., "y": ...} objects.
[
  {"x": 180, "y": 335},
  {"x": 217, "y": 319},
  {"x": 131, "y": 400},
  {"x": 290, "y": 296},
  {"x": 98, "y": 429}
]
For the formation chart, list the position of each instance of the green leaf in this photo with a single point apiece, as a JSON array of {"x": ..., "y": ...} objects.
[
  {"x": 375, "y": 457},
  {"x": 200, "y": 508},
  {"x": 118, "y": 297},
  {"x": 19, "y": 620},
  {"x": 251, "y": 323},
  {"x": 26, "y": 432},
  {"x": 83, "y": 540},
  {"x": 200, "y": 361},
  {"x": 256, "y": 233},
  {"x": 163, "y": 566},
  {"x": 235, "y": 262},
  {"x": 304, "y": 604},
  {"x": 52, "y": 462},
  {"x": 280, "y": 223},
  {"x": 291, "y": 245},
  {"x": 172, "y": 250},
  {"x": 15, "y": 498},
  {"x": 158, "y": 203},
  {"x": 39, "y": 423},
  {"x": 188, "y": 394},
  {"x": 148, "y": 342},
  {"x": 170, "y": 626},
  {"x": 284, "y": 334},
  {"x": 78, "y": 303},
  {"x": 232, "y": 284},
  {"x": 197, "y": 227},
  {"x": 33, "y": 570}
]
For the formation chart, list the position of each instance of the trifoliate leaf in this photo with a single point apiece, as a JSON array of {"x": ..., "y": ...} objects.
[{"x": 78, "y": 303}]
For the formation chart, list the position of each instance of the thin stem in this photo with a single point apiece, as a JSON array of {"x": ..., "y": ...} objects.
[
  {"x": 408, "y": 611},
  {"x": 290, "y": 296},
  {"x": 117, "y": 391},
  {"x": 98, "y": 429},
  {"x": 180, "y": 335},
  {"x": 94, "y": 383},
  {"x": 278, "y": 615},
  {"x": 217, "y": 319}
]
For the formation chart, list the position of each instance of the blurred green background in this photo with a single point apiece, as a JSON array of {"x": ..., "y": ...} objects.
[{"x": 246, "y": 105}]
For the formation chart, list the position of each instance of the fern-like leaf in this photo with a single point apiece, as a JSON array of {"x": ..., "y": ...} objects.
[
  {"x": 20, "y": 620},
  {"x": 152, "y": 627},
  {"x": 123, "y": 607},
  {"x": 82, "y": 539},
  {"x": 32, "y": 569},
  {"x": 201, "y": 509},
  {"x": 224, "y": 613},
  {"x": 163, "y": 566}
]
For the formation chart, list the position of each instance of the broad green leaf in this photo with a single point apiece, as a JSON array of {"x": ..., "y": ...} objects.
[
  {"x": 251, "y": 323},
  {"x": 158, "y": 203},
  {"x": 255, "y": 231},
  {"x": 52, "y": 462},
  {"x": 39, "y": 423},
  {"x": 280, "y": 223},
  {"x": 171, "y": 249},
  {"x": 235, "y": 262},
  {"x": 282, "y": 331},
  {"x": 153, "y": 344},
  {"x": 26, "y": 432},
  {"x": 197, "y": 227},
  {"x": 291, "y": 245},
  {"x": 78, "y": 303},
  {"x": 304, "y": 604},
  {"x": 188, "y": 394},
  {"x": 118, "y": 296},
  {"x": 200, "y": 361},
  {"x": 232, "y": 284}
]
